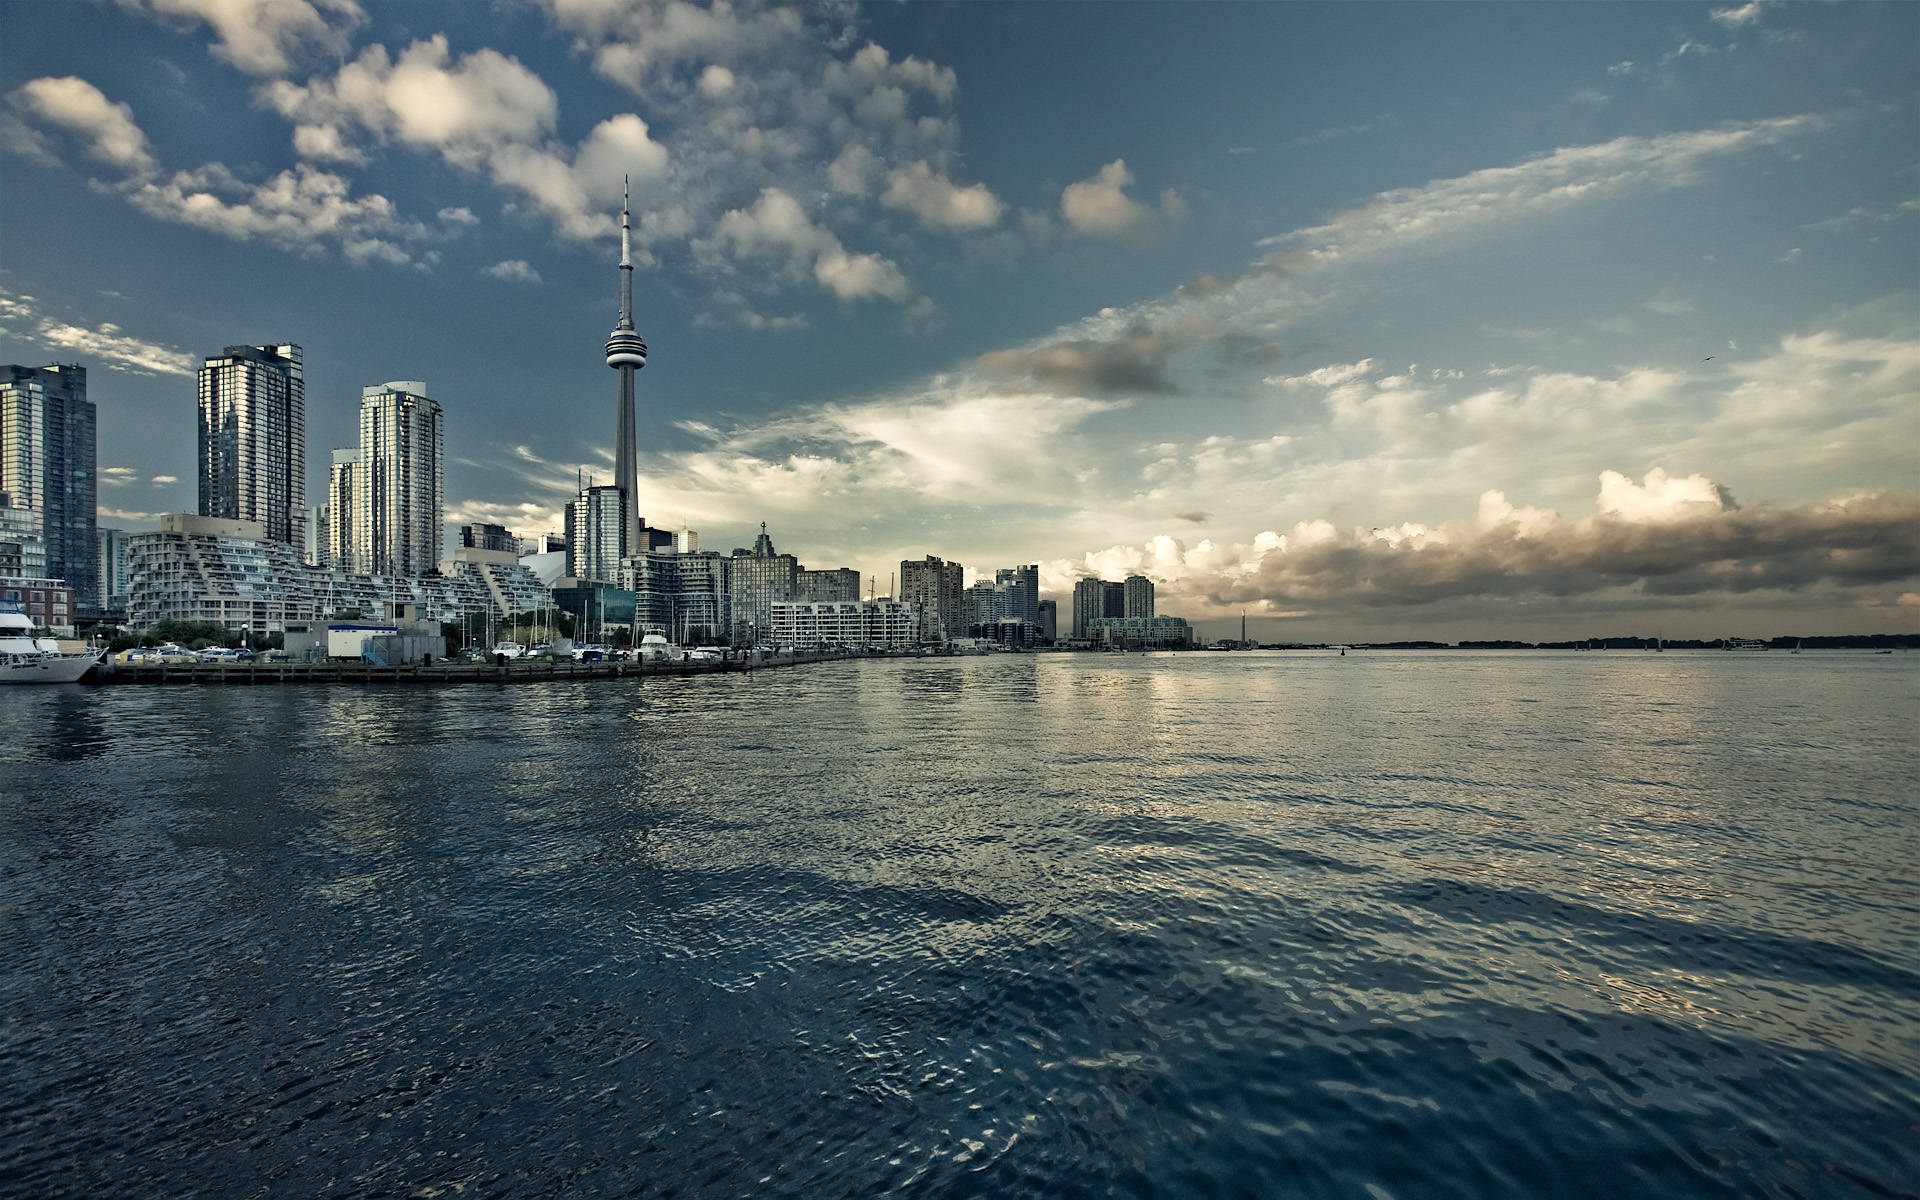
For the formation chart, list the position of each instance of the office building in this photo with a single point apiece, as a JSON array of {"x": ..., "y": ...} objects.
[
  {"x": 48, "y": 479},
  {"x": 839, "y": 583},
  {"x": 1049, "y": 620},
  {"x": 253, "y": 439},
  {"x": 759, "y": 578},
  {"x": 938, "y": 590},
  {"x": 1022, "y": 587},
  {"x": 399, "y": 480}
]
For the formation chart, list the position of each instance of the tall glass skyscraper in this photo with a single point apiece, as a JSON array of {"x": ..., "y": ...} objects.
[
  {"x": 253, "y": 439},
  {"x": 48, "y": 470},
  {"x": 399, "y": 480}
]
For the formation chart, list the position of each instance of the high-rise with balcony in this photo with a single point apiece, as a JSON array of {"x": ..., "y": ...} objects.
[
  {"x": 47, "y": 470},
  {"x": 399, "y": 480},
  {"x": 253, "y": 439},
  {"x": 1137, "y": 598},
  {"x": 342, "y": 480}
]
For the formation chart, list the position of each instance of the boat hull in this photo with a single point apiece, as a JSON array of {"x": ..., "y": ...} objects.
[{"x": 47, "y": 668}]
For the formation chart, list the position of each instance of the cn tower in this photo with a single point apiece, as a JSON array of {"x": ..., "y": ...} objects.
[{"x": 626, "y": 353}]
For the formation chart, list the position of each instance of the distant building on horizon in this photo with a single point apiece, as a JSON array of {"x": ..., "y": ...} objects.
[
  {"x": 253, "y": 439},
  {"x": 836, "y": 583},
  {"x": 1137, "y": 598},
  {"x": 49, "y": 481},
  {"x": 1097, "y": 600},
  {"x": 938, "y": 590},
  {"x": 479, "y": 535}
]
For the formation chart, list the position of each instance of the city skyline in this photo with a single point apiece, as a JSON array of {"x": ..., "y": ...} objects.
[{"x": 1358, "y": 368}]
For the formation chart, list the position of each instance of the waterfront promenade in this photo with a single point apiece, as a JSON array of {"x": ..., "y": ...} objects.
[{"x": 513, "y": 671}]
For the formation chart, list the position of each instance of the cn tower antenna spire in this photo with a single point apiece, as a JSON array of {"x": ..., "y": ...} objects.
[{"x": 626, "y": 353}]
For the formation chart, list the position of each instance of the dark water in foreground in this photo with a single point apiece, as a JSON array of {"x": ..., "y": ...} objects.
[{"x": 1389, "y": 925}]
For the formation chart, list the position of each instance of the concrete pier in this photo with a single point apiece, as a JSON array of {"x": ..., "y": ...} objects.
[{"x": 514, "y": 671}]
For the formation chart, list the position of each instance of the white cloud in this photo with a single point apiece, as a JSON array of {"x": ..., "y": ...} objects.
[
  {"x": 79, "y": 108},
  {"x": 164, "y": 480},
  {"x": 1548, "y": 183},
  {"x": 265, "y": 37},
  {"x": 302, "y": 209},
  {"x": 482, "y": 111},
  {"x": 1737, "y": 16},
  {"x": 1668, "y": 538},
  {"x": 1661, "y": 497},
  {"x": 1100, "y": 205},
  {"x": 117, "y": 476},
  {"x": 106, "y": 343},
  {"x": 777, "y": 227},
  {"x": 853, "y": 170},
  {"x": 513, "y": 270},
  {"x": 858, "y": 276},
  {"x": 460, "y": 215},
  {"x": 938, "y": 201}
]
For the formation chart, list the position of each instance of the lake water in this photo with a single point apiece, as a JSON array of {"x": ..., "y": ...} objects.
[{"x": 1394, "y": 924}]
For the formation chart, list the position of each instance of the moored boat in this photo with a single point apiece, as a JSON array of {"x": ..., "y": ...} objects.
[{"x": 26, "y": 659}]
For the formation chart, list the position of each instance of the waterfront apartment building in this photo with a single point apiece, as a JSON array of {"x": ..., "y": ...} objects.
[
  {"x": 1140, "y": 633},
  {"x": 230, "y": 573},
  {"x": 48, "y": 476},
  {"x": 1137, "y": 598},
  {"x": 343, "y": 511},
  {"x": 938, "y": 589},
  {"x": 837, "y": 583},
  {"x": 253, "y": 439},
  {"x": 854, "y": 624},
  {"x": 682, "y": 597},
  {"x": 400, "y": 480},
  {"x": 1096, "y": 599}
]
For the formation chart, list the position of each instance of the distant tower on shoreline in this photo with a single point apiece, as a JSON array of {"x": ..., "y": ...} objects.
[{"x": 626, "y": 353}]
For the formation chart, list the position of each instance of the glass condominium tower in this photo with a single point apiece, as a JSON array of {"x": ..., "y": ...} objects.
[
  {"x": 47, "y": 469},
  {"x": 253, "y": 439},
  {"x": 399, "y": 480}
]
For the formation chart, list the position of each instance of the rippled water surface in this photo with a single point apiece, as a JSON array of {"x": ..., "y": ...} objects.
[{"x": 1254, "y": 925}]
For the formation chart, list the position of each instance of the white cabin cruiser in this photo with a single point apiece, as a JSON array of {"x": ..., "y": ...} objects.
[{"x": 25, "y": 659}]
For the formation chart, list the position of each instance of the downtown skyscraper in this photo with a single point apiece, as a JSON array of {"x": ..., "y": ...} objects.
[
  {"x": 253, "y": 439},
  {"x": 48, "y": 475}
]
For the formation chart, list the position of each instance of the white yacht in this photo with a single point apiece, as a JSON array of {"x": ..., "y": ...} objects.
[
  {"x": 655, "y": 648},
  {"x": 510, "y": 649},
  {"x": 23, "y": 659}
]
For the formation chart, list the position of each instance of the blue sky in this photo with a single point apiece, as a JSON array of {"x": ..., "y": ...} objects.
[{"x": 1369, "y": 320}]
